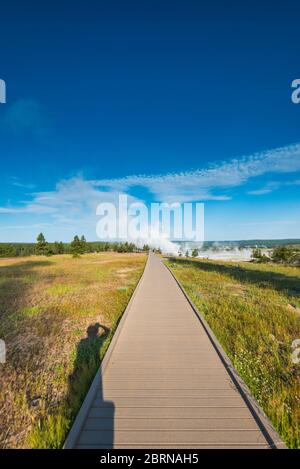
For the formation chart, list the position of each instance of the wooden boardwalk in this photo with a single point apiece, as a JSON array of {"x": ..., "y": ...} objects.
[{"x": 163, "y": 383}]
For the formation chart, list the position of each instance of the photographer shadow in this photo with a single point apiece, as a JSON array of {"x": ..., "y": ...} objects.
[{"x": 94, "y": 424}]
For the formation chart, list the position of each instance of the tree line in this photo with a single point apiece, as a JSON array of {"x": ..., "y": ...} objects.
[
  {"x": 76, "y": 247},
  {"x": 280, "y": 255}
]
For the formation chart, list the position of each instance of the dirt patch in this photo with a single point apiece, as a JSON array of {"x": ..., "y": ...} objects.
[
  {"x": 123, "y": 272},
  {"x": 236, "y": 289}
]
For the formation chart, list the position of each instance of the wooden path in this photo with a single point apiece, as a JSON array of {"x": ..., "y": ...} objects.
[{"x": 165, "y": 384}]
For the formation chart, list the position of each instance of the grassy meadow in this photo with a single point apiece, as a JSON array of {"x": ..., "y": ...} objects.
[
  {"x": 254, "y": 311},
  {"x": 57, "y": 316}
]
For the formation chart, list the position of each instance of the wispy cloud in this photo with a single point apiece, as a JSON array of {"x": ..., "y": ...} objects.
[
  {"x": 267, "y": 189},
  {"x": 34, "y": 226},
  {"x": 270, "y": 223},
  {"x": 272, "y": 186},
  {"x": 73, "y": 201},
  {"x": 211, "y": 182},
  {"x": 23, "y": 185},
  {"x": 29, "y": 208}
]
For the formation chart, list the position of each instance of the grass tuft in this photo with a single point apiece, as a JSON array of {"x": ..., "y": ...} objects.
[{"x": 31, "y": 311}]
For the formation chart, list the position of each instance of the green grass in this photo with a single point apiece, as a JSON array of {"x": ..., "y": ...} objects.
[
  {"x": 61, "y": 289},
  {"x": 57, "y": 317},
  {"x": 254, "y": 311},
  {"x": 31, "y": 311},
  {"x": 51, "y": 431}
]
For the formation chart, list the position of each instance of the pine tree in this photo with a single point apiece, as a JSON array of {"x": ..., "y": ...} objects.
[
  {"x": 76, "y": 246},
  {"x": 58, "y": 247},
  {"x": 195, "y": 253},
  {"x": 84, "y": 246},
  {"x": 42, "y": 245}
]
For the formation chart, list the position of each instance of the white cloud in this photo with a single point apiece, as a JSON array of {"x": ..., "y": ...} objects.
[
  {"x": 270, "y": 223},
  {"x": 29, "y": 208},
  {"x": 23, "y": 185},
  {"x": 267, "y": 189},
  {"x": 78, "y": 195},
  {"x": 272, "y": 186},
  {"x": 262, "y": 191},
  {"x": 204, "y": 184},
  {"x": 71, "y": 206}
]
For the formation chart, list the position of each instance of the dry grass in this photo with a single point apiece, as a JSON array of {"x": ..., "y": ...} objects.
[
  {"x": 254, "y": 311},
  {"x": 47, "y": 305}
]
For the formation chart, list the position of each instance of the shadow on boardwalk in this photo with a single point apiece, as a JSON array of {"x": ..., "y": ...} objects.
[{"x": 86, "y": 363}]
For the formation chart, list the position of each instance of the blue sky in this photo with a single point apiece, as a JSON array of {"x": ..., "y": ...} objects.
[{"x": 181, "y": 100}]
